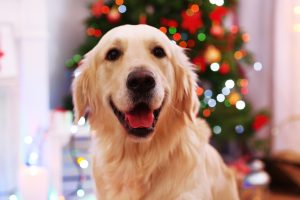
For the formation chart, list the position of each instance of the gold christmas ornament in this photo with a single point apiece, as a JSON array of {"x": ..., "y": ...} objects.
[
  {"x": 212, "y": 54},
  {"x": 217, "y": 30},
  {"x": 234, "y": 97},
  {"x": 114, "y": 15}
]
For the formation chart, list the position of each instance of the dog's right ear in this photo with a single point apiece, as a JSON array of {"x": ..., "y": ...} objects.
[
  {"x": 81, "y": 92},
  {"x": 186, "y": 82}
]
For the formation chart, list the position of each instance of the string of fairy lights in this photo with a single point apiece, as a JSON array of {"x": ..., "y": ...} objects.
[
  {"x": 227, "y": 95},
  {"x": 79, "y": 162}
]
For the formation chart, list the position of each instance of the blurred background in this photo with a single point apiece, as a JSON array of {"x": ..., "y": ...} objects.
[{"x": 248, "y": 67}]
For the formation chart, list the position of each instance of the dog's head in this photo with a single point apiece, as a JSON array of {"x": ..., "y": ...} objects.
[{"x": 134, "y": 79}]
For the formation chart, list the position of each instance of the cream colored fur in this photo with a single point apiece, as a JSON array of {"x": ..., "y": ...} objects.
[{"x": 176, "y": 162}]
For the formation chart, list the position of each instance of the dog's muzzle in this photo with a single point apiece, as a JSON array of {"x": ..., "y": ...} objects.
[{"x": 141, "y": 119}]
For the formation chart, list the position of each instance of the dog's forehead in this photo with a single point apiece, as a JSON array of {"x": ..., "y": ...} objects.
[{"x": 137, "y": 33}]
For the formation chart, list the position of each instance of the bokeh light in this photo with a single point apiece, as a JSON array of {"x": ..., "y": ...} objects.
[
  {"x": 122, "y": 9},
  {"x": 215, "y": 67},
  {"x": 297, "y": 10},
  {"x": 220, "y": 97},
  {"x": 257, "y": 66},
  {"x": 217, "y": 129},
  {"x": 208, "y": 93},
  {"x": 239, "y": 129},
  {"x": 226, "y": 91},
  {"x": 212, "y": 103},
  {"x": 80, "y": 193},
  {"x": 229, "y": 83},
  {"x": 240, "y": 105}
]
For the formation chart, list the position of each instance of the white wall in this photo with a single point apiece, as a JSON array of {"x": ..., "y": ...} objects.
[
  {"x": 256, "y": 18},
  {"x": 66, "y": 33},
  {"x": 286, "y": 77},
  {"x": 27, "y": 20}
]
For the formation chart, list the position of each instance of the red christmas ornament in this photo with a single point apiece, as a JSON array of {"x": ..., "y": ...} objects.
[
  {"x": 217, "y": 30},
  {"x": 191, "y": 21},
  {"x": 143, "y": 19},
  {"x": 97, "y": 33},
  {"x": 217, "y": 14},
  {"x": 200, "y": 63},
  {"x": 240, "y": 166},
  {"x": 191, "y": 43},
  {"x": 113, "y": 16},
  {"x": 169, "y": 22},
  {"x": 224, "y": 68},
  {"x": 96, "y": 8},
  {"x": 241, "y": 72},
  {"x": 94, "y": 32},
  {"x": 259, "y": 121}
]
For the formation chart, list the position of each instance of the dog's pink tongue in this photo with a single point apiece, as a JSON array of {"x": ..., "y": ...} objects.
[{"x": 140, "y": 119}]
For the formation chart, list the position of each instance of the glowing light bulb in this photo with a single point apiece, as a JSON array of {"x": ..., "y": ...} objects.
[
  {"x": 80, "y": 193},
  {"x": 206, "y": 99},
  {"x": 225, "y": 91},
  {"x": 212, "y": 103},
  {"x": 206, "y": 112},
  {"x": 259, "y": 178},
  {"x": 28, "y": 140},
  {"x": 240, "y": 105},
  {"x": 119, "y": 2},
  {"x": 172, "y": 30},
  {"x": 214, "y": 67},
  {"x": 219, "y": 2},
  {"x": 74, "y": 129},
  {"x": 220, "y": 97},
  {"x": 208, "y": 93},
  {"x": 201, "y": 37},
  {"x": 12, "y": 197},
  {"x": 297, "y": 27},
  {"x": 217, "y": 129},
  {"x": 229, "y": 83},
  {"x": 297, "y": 10},
  {"x": 84, "y": 164},
  {"x": 199, "y": 91},
  {"x": 122, "y": 8},
  {"x": 257, "y": 66},
  {"x": 239, "y": 129}
]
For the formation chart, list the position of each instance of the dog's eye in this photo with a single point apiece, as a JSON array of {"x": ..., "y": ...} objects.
[
  {"x": 158, "y": 52},
  {"x": 113, "y": 54}
]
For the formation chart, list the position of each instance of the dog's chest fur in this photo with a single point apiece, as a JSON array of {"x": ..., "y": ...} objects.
[{"x": 139, "y": 174}]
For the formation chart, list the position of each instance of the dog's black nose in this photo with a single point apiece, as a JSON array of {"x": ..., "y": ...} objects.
[{"x": 140, "y": 81}]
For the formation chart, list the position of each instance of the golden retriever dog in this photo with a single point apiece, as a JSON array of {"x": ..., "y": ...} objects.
[{"x": 139, "y": 90}]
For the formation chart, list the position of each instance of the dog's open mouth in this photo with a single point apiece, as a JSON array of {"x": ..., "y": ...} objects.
[{"x": 140, "y": 121}]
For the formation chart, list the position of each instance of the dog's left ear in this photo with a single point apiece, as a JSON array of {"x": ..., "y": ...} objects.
[
  {"x": 185, "y": 83},
  {"x": 83, "y": 90},
  {"x": 80, "y": 87}
]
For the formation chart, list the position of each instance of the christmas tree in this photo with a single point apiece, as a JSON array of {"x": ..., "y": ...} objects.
[{"x": 215, "y": 43}]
